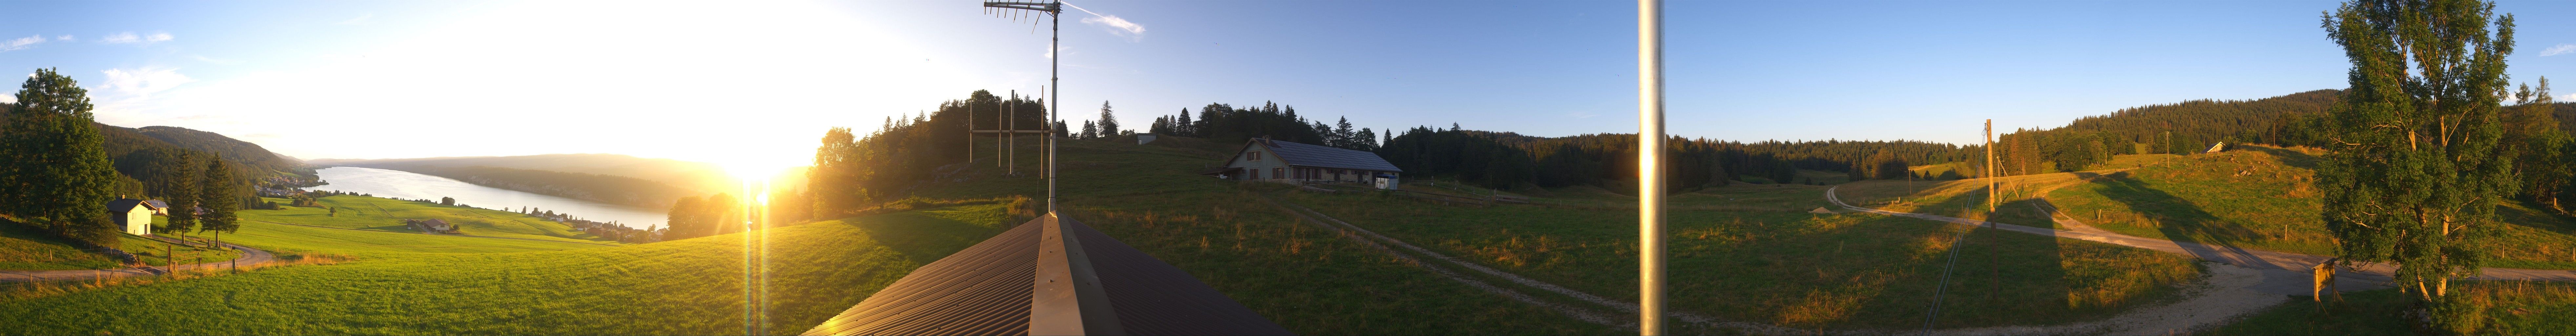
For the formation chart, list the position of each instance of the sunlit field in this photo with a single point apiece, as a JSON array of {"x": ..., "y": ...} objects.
[
  {"x": 371, "y": 213},
  {"x": 484, "y": 286}
]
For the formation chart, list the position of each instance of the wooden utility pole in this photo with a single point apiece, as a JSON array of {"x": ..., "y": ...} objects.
[{"x": 1991, "y": 171}]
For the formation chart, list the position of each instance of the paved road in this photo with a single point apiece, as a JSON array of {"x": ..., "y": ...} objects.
[
  {"x": 250, "y": 256},
  {"x": 2284, "y": 273}
]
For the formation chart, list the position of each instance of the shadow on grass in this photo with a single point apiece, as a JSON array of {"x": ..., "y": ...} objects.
[{"x": 2182, "y": 222}]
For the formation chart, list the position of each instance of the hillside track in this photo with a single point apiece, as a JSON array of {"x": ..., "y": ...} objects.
[
  {"x": 2223, "y": 289},
  {"x": 2229, "y": 293},
  {"x": 250, "y": 256}
]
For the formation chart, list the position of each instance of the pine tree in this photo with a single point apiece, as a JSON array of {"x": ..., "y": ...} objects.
[
  {"x": 2539, "y": 146},
  {"x": 1089, "y": 130},
  {"x": 1181, "y": 125},
  {"x": 220, "y": 192},
  {"x": 58, "y": 175},
  {"x": 2417, "y": 168},
  {"x": 1342, "y": 134},
  {"x": 1108, "y": 122}
]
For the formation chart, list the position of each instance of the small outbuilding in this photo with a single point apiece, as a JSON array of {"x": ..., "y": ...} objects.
[
  {"x": 1144, "y": 138},
  {"x": 135, "y": 215},
  {"x": 1265, "y": 159}
]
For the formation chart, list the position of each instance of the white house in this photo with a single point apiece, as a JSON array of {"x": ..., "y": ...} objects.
[
  {"x": 134, "y": 215},
  {"x": 1264, "y": 159}
]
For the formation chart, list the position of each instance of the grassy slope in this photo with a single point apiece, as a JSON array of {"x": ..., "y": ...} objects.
[
  {"x": 692, "y": 286},
  {"x": 1752, "y": 253},
  {"x": 2509, "y": 307},
  {"x": 2246, "y": 197},
  {"x": 1308, "y": 280},
  {"x": 361, "y": 212},
  {"x": 23, "y": 248}
]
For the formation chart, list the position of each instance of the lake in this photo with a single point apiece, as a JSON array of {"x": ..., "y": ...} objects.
[{"x": 408, "y": 185}]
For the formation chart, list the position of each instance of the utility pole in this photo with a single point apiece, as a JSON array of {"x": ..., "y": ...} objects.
[
  {"x": 1991, "y": 170},
  {"x": 1650, "y": 167}
]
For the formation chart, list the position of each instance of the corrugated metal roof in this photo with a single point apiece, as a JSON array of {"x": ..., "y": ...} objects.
[
  {"x": 122, "y": 204},
  {"x": 1299, "y": 154},
  {"x": 986, "y": 290}
]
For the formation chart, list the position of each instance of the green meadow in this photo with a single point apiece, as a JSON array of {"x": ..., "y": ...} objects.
[
  {"x": 370, "y": 213},
  {"x": 404, "y": 283},
  {"x": 1754, "y": 253}
]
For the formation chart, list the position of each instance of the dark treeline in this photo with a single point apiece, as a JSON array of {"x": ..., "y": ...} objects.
[
  {"x": 1226, "y": 123},
  {"x": 854, "y": 170},
  {"x": 692, "y": 217},
  {"x": 1504, "y": 160}
]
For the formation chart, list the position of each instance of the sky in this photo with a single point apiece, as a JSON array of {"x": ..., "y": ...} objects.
[{"x": 753, "y": 85}]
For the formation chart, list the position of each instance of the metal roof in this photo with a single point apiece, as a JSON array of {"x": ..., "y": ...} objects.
[
  {"x": 122, "y": 205},
  {"x": 990, "y": 289},
  {"x": 1299, "y": 154}
]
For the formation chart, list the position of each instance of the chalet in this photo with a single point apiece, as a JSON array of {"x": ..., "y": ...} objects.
[
  {"x": 1264, "y": 159},
  {"x": 135, "y": 215}
]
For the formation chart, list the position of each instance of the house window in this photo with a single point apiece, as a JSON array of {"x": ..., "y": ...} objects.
[
  {"x": 1278, "y": 172},
  {"x": 1256, "y": 156}
]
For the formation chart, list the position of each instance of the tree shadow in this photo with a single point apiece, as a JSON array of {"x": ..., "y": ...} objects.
[{"x": 2203, "y": 234}]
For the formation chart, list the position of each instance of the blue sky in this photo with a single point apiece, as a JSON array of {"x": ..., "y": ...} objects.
[{"x": 755, "y": 83}]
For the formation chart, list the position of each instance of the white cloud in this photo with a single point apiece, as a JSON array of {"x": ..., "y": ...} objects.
[
  {"x": 1117, "y": 25},
  {"x": 2568, "y": 97},
  {"x": 143, "y": 82},
  {"x": 21, "y": 43},
  {"x": 131, "y": 37},
  {"x": 64, "y": 38},
  {"x": 2560, "y": 49},
  {"x": 361, "y": 19}
]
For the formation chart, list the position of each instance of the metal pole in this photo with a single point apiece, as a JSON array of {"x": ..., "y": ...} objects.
[
  {"x": 1012, "y": 146},
  {"x": 1650, "y": 167},
  {"x": 1055, "y": 36}
]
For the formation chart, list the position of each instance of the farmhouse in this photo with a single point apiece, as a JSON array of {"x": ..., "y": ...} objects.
[
  {"x": 1264, "y": 159},
  {"x": 135, "y": 215}
]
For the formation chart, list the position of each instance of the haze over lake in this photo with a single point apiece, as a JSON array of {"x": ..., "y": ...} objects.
[{"x": 408, "y": 185}]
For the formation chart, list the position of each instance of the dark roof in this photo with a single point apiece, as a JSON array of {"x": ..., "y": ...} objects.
[
  {"x": 157, "y": 204},
  {"x": 1299, "y": 154},
  {"x": 987, "y": 289},
  {"x": 122, "y": 204}
]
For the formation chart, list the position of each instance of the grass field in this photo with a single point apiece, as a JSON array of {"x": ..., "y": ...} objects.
[
  {"x": 2255, "y": 196},
  {"x": 1307, "y": 280},
  {"x": 2507, "y": 307},
  {"x": 24, "y": 248},
  {"x": 1753, "y": 253},
  {"x": 370, "y": 213},
  {"x": 692, "y": 286}
]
